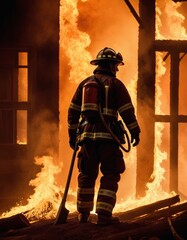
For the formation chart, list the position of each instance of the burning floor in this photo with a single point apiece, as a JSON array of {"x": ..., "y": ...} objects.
[{"x": 164, "y": 219}]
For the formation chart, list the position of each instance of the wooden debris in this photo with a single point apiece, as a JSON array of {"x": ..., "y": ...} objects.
[
  {"x": 13, "y": 222},
  {"x": 150, "y": 208},
  {"x": 161, "y": 229},
  {"x": 176, "y": 209}
]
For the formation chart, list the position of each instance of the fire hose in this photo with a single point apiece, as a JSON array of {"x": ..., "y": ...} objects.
[
  {"x": 113, "y": 135},
  {"x": 116, "y": 139},
  {"x": 174, "y": 233}
]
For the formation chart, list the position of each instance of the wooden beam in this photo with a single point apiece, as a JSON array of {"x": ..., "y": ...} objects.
[
  {"x": 146, "y": 95},
  {"x": 169, "y": 118},
  {"x": 164, "y": 212},
  {"x": 14, "y": 222},
  {"x": 170, "y": 45},
  {"x": 180, "y": 0},
  {"x": 158, "y": 229},
  {"x": 150, "y": 208},
  {"x": 134, "y": 12},
  {"x": 174, "y": 111}
]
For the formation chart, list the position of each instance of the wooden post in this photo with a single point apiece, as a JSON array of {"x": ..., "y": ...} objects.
[
  {"x": 174, "y": 47},
  {"x": 174, "y": 101},
  {"x": 146, "y": 95}
]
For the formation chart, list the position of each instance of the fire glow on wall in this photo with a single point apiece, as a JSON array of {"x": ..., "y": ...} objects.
[{"x": 22, "y": 97}]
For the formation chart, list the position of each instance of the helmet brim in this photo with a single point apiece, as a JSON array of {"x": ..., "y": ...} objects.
[{"x": 97, "y": 61}]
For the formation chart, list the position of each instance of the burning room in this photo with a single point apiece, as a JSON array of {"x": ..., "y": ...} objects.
[{"x": 45, "y": 51}]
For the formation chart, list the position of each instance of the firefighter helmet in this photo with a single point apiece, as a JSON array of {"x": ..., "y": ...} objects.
[{"x": 108, "y": 54}]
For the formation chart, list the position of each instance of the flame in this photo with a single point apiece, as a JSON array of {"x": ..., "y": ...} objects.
[
  {"x": 175, "y": 21},
  {"x": 45, "y": 200},
  {"x": 47, "y": 195},
  {"x": 73, "y": 43},
  {"x": 154, "y": 188},
  {"x": 155, "y": 191},
  {"x": 172, "y": 26}
]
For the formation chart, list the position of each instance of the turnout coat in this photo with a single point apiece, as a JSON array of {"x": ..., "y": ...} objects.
[
  {"x": 97, "y": 145},
  {"x": 115, "y": 101}
]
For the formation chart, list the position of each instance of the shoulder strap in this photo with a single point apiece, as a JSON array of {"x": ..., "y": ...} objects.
[
  {"x": 104, "y": 122},
  {"x": 101, "y": 88}
]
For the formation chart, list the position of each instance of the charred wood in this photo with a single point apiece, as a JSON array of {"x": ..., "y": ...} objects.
[
  {"x": 13, "y": 222},
  {"x": 169, "y": 211},
  {"x": 168, "y": 118},
  {"x": 160, "y": 229},
  {"x": 134, "y": 12},
  {"x": 148, "y": 208},
  {"x": 170, "y": 45}
]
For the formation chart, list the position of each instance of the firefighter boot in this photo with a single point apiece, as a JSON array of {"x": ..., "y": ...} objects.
[
  {"x": 106, "y": 220},
  {"x": 83, "y": 217}
]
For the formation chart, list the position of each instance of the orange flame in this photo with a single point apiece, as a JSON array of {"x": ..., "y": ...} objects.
[
  {"x": 172, "y": 26},
  {"x": 73, "y": 43},
  {"x": 155, "y": 191},
  {"x": 45, "y": 200}
]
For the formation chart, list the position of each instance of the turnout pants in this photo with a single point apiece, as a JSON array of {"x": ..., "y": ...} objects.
[{"x": 108, "y": 157}]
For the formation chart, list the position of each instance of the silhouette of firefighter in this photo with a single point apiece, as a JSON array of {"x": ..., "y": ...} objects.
[{"x": 94, "y": 109}]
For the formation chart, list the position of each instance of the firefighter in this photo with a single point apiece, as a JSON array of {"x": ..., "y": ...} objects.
[{"x": 98, "y": 150}]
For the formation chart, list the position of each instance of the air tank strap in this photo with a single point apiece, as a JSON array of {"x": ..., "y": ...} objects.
[{"x": 107, "y": 127}]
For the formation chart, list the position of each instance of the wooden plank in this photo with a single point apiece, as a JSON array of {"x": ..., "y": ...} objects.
[
  {"x": 158, "y": 230},
  {"x": 128, "y": 215},
  {"x": 14, "y": 222},
  {"x": 170, "y": 45},
  {"x": 169, "y": 118},
  {"x": 176, "y": 209}
]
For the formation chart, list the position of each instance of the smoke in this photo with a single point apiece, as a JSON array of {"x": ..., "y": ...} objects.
[{"x": 45, "y": 133}]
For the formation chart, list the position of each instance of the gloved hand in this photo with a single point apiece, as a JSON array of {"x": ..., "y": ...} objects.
[
  {"x": 72, "y": 143},
  {"x": 135, "y": 139},
  {"x": 72, "y": 137}
]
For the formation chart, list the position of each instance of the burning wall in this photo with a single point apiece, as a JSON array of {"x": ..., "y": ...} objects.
[
  {"x": 173, "y": 27},
  {"x": 28, "y": 116}
]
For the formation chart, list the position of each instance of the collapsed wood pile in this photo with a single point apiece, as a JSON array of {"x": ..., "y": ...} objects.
[
  {"x": 165, "y": 219},
  {"x": 14, "y": 222}
]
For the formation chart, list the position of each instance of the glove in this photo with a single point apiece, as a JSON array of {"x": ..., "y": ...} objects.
[
  {"x": 72, "y": 137},
  {"x": 72, "y": 143},
  {"x": 135, "y": 139}
]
